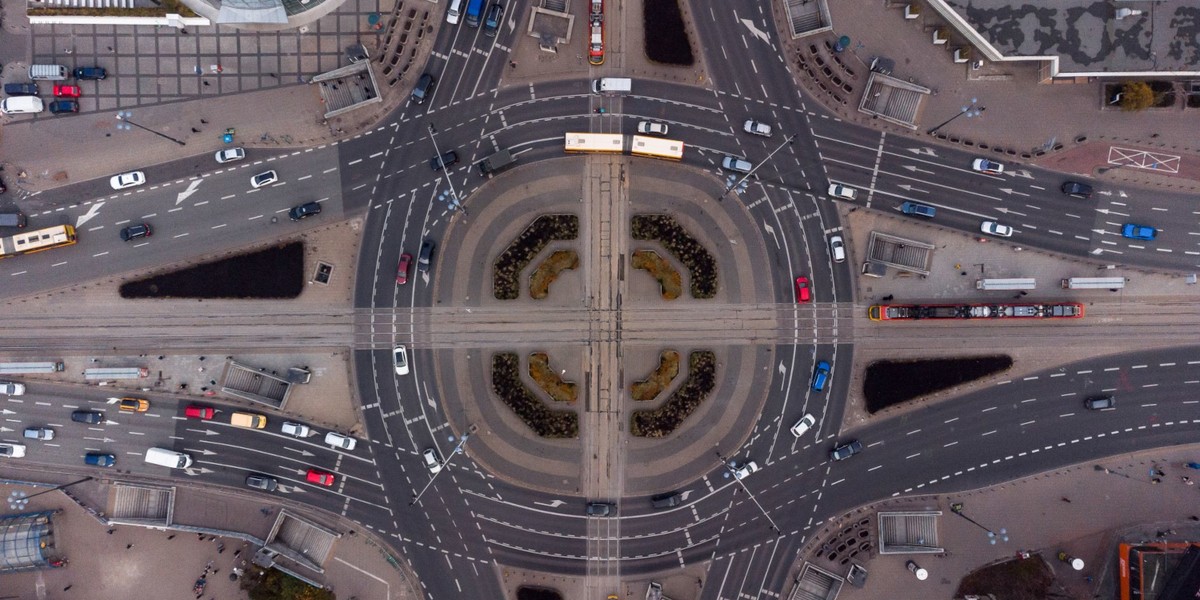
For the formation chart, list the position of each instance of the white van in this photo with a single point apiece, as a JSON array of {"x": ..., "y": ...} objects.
[
  {"x": 48, "y": 72},
  {"x": 17, "y": 105},
  {"x": 455, "y": 12},
  {"x": 612, "y": 85},
  {"x": 168, "y": 458}
]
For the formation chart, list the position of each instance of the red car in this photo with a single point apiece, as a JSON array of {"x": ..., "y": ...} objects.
[
  {"x": 402, "y": 270},
  {"x": 320, "y": 477},
  {"x": 66, "y": 91},
  {"x": 195, "y": 411},
  {"x": 803, "y": 293}
]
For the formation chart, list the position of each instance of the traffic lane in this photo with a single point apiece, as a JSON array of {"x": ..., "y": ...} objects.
[
  {"x": 1176, "y": 244},
  {"x": 117, "y": 432}
]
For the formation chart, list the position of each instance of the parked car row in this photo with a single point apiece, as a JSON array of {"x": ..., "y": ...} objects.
[{"x": 23, "y": 96}]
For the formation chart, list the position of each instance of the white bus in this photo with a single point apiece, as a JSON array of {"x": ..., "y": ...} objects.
[
  {"x": 657, "y": 147},
  {"x": 594, "y": 142}
]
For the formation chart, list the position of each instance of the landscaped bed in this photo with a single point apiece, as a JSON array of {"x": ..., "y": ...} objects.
[
  {"x": 664, "y": 420},
  {"x": 509, "y": 264},
  {"x": 547, "y": 272},
  {"x": 891, "y": 382},
  {"x": 653, "y": 385},
  {"x": 274, "y": 273},
  {"x": 669, "y": 282},
  {"x": 506, "y": 383},
  {"x": 701, "y": 266},
  {"x": 665, "y": 35},
  {"x": 548, "y": 379}
]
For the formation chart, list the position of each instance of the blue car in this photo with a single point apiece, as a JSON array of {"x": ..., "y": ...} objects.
[
  {"x": 1138, "y": 232},
  {"x": 100, "y": 460},
  {"x": 820, "y": 376}
]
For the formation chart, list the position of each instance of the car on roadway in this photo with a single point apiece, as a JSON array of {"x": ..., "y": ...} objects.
[
  {"x": 263, "y": 179},
  {"x": 12, "y": 388},
  {"x": 841, "y": 192},
  {"x": 1077, "y": 189},
  {"x": 844, "y": 451},
  {"x": 1101, "y": 403},
  {"x": 733, "y": 163},
  {"x": 296, "y": 429},
  {"x": 229, "y": 155},
  {"x": 1134, "y": 231},
  {"x": 262, "y": 482},
  {"x": 803, "y": 425},
  {"x": 803, "y": 292},
  {"x": 127, "y": 180},
  {"x": 837, "y": 249},
  {"x": 402, "y": 269},
  {"x": 425, "y": 256},
  {"x": 39, "y": 433},
  {"x": 652, "y": 128},
  {"x": 491, "y": 23},
  {"x": 338, "y": 440},
  {"x": 667, "y": 500},
  {"x": 12, "y": 450},
  {"x": 423, "y": 88},
  {"x": 320, "y": 477},
  {"x": 988, "y": 167},
  {"x": 130, "y": 404},
  {"x": 820, "y": 376},
  {"x": 432, "y": 461},
  {"x": 996, "y": 229},
  {"x": 304, "y": 211},
  {"x": 136, "y": 231},
  {"x": 59, "y": 107},
  {"x": 743, "y": 470},
  {"x": 400, "y": 360},
  {"x": 91, "y": 417},
  {"x": 446, "y": 160},
  {"x": 99, "y": 459},
  {"x": 757, "y": 128},
  {"x": 195, "y": 411},
  {"x": 601, "y": 509},
  {"x": 90, "y": 73},
  {"x": 66, "y": 91}
]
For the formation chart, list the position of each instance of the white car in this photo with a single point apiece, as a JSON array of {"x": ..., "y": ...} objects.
[
  {"x": 842, "y": 192},
  {"x": 996, "y": 229},
  {"x": 229, "y": 155},
  {"x": 264, "y": 179},
  {"x": 12, "y": 450},
  {"x": 400, "y": 358},
  {"x": 803, "y": 425},
  {"x": 12, "y": 388},
  {"x": 734, "y": 163},
  {"x": 984, "y": 165},
  {"x": 338, "y": 440},
  {"x": 127, "y": 180},
  {"x": 652, "y": 128},
  {"x": 39, "y": 433},
  {"x": 744, "y": 471},
  {"x": 757, "y": 128},
  {"x": 431, "y": 460},
  {"x": 837, "y": 248},
  {"x": 296, "y": 429}
]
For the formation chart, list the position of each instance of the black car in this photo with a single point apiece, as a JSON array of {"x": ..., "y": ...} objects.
[
  {"x": 492, "y": 23},
  {"x": 447, "y": 159},
  {"x": 423, "y": 88},
  {"x": 90, "y": 417},
  {"x": 425, "y": 256},
  {"x": 21, "y": 89},
  {"x": 134, "y": 232},
  {"x": 846, "y": 450},
  {"x": 59, "y": 107},
  {"x": 304, "y": 211},
  {"x": 90, "y": 73},
  {"x": 1077, "y": 189},
  {"x": 261, "y": 482},
  {"x": 668, "y": 500},
  {"x": 601, "y": 509}
]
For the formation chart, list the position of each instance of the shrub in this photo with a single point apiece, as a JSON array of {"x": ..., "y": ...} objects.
[
  {"x": 701, "y": 266},
  {"x": 653, "y": 385},
  {"x": 664, "y": 420},
  {"x": 669, "y": 281},
  {"x": 526, "y": 246},
  {"x": 506, "y": 383},
  {"x": 547, "y": 272},
  {"x": 548, "y": 379}
]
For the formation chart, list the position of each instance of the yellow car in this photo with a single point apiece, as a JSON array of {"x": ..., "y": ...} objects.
[{"x": 134, "y": 405}]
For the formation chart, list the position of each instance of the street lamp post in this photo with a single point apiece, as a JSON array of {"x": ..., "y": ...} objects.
[
  {"x": 732, "y": 186},
  {"x": 970, "y": 110},
  {"x": 123, "y": 117},
  {"x": 445, "y": 463}
]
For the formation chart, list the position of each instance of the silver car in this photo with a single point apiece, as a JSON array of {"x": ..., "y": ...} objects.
[{"x": 338, "y": 440}]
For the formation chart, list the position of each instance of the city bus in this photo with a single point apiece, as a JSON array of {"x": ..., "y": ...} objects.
[
  {"x": 594, "y": 142},
  {"x": 36, "y": 241},
  {"x": 657, "y": 147}
]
